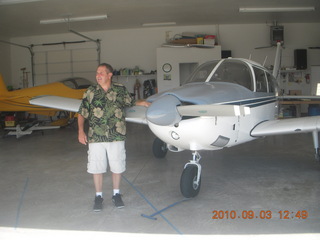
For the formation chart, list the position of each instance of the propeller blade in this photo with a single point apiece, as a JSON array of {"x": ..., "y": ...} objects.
[
  {"x": 136, "y": 114},
  {"x": 213, "y": 110}
]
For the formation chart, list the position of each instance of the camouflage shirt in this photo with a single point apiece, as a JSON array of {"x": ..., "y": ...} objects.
[{"x": 105, "y": 112}]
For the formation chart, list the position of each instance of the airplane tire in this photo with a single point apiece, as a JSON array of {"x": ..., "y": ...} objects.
[
  {"x": 188, "y": 187},
  {"x": 159, "y": 148}
]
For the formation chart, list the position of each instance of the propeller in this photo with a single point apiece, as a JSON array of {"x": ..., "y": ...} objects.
[
  {"x": 163, "y": 111},
  {"x": 167, "y": 110}
]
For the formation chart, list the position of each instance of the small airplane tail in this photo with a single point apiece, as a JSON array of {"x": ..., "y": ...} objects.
[{"x": 3, "y": 87}]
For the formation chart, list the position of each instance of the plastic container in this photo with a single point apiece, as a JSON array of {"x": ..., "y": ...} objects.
[
  {"x": 209, "y": 39},
  {"x": 314, "y": 110}
]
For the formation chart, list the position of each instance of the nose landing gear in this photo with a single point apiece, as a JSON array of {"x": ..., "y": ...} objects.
[{"x": 190, "y": 181}]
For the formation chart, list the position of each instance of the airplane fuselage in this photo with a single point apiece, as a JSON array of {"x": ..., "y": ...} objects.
[
  {"x": 214, "y": 131},
  {"x": 18, "y": 100}
]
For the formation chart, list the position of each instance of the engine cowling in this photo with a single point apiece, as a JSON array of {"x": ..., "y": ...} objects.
[{"x": 163, "y": 111}]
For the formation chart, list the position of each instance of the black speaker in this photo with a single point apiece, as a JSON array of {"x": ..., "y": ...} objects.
[
  {"x": 300, "y": 59},
  {"x": 225, "y": 53}
]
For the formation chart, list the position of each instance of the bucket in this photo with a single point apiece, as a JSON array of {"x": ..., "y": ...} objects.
[{"x": 314, "y": 110}]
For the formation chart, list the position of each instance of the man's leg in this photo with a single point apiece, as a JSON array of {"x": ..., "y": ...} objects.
[
  {"x": 117, "y": 161},
  {"x": 98, "y": 179},
  {"x": 117, "y": 200},
  {"x": 97, "y": 165},
  {"x": 116, "y": 179}
]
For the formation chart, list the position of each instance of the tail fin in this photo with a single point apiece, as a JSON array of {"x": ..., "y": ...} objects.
[{"x": 3, "y": 87}]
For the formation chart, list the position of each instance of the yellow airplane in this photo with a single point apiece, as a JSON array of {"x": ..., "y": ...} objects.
[{"x": 18, "y": 100}]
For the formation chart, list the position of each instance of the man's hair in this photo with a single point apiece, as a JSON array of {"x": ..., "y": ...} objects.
[{"x": 107, "y": 66}]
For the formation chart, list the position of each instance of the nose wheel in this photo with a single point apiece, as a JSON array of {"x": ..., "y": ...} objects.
[
  {"x": 190, "y": 181},
  {"x": 159, "y": 148}
]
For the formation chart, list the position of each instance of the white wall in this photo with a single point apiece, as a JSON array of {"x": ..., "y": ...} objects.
[
  {"x": 243, "y": 39},
  {"x": 137, "y": 47},
  {"x": 120, "y": 48},
  {"x": 177, "y": 56}
]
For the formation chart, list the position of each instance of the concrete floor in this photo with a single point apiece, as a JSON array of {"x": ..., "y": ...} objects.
[{"x": 44, "y": 187}]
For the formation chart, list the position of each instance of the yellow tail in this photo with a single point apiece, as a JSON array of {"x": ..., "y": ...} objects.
[{"x": 3, "y": 87}]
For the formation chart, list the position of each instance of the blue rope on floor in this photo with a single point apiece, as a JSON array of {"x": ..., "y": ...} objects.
[
  {"x": 162, "y": 210},
  {"x": 157, "y": 212},
  {"x": 20, "y": 202}
]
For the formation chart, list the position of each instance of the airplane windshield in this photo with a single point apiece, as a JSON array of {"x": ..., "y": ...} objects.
[
  {"x": 233, "y": 72},
  {"x": 77, "y": 83},
  {"x": 202, "y": 72}
]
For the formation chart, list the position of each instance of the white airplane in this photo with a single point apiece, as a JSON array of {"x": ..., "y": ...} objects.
[{"x": 225, "y": 103}]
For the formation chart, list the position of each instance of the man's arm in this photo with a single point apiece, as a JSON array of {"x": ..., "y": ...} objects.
[
  {"x": 82, "y": 137},
  {"x": 143, "y": 103}
]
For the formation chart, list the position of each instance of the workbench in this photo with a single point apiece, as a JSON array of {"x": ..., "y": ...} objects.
[{"x": 297, "y": 104}]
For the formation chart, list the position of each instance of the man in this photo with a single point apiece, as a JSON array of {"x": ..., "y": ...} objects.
[{"x": 103, "y": 106}]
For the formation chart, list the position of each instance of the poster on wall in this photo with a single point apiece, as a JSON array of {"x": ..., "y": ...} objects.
[{"x": 167, "y": 77}]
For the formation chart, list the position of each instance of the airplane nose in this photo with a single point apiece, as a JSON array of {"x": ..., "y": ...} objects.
[{"x": 163, "y": 111}]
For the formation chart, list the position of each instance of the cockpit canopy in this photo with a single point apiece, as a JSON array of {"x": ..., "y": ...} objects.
[
  {"x": 238, "y": 71},
  {"x": 77, "y": 83}
]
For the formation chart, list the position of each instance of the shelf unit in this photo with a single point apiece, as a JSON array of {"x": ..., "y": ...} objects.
[{"x": 129, "y": 81}]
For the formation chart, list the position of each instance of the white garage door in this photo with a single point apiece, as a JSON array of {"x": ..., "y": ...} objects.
[{"x": 57, "y": 61}]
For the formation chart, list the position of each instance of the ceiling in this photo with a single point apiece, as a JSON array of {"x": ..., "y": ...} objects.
[{"x": 23, "y": 19}]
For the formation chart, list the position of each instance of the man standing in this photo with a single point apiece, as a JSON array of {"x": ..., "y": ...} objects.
[{"x": 103, "y": 106}]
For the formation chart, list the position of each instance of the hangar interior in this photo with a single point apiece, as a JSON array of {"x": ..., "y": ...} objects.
[{"x": 268, "y": 188}]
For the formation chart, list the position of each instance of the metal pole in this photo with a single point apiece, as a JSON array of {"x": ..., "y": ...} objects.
[
  {"x": 32, "y": 55},
  {"x": 90, "y": 39}
]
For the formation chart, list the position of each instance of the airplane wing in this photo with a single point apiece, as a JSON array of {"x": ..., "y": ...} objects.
[
  {"x": 287, "y": 126},
  {"x": 135, "y": 114},
  {"x": 298, "y": 97},
  {"x": 290, "y": 126},
  {"x": 62, "y": 103}
]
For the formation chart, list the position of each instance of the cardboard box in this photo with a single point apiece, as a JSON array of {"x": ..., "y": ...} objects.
[
  {"x": 10, "y": 121},
  {"x": 185, "y": 41},
  {"x": 295, "y": 92},
  {"x": 209, "y": 40}
]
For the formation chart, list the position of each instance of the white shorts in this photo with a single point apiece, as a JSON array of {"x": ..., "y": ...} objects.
[{"x": 100, "y": 154}]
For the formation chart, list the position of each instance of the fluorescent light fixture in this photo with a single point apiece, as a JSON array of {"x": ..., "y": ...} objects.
[
  {"x": 76, "y": 19},
  {"x": 275, "y": 9},
  {"x": 158, "y": 24},
  {"x": 9, "y": 2}
]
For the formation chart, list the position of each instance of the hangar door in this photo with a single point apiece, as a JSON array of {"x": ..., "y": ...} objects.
[{"x": 57, "y": 61}]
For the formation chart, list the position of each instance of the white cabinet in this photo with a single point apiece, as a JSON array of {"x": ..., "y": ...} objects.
[{"x": 175, "y": 64}]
